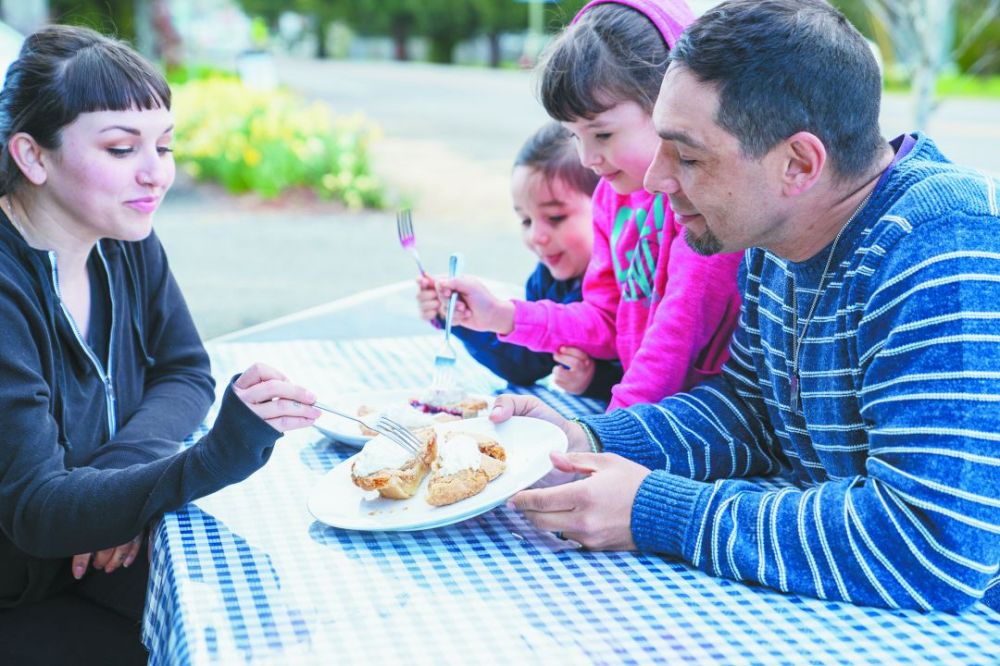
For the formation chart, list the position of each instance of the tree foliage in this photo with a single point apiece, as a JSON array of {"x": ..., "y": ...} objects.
[
  {"x": 111, "y": 17},
  {"x": 443, "y": 22}
]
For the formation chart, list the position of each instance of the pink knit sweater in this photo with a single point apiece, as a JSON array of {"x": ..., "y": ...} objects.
[{"x": 648, "y": 299}]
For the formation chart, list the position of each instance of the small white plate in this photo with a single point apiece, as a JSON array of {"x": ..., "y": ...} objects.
[
  {"x": 336, "y": 501},
  {"x": 349, "y": 432}
]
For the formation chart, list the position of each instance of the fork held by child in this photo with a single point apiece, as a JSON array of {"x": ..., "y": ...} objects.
[
  {"x": 404, "y": 228},
  {"x": 444, "y": 362}
]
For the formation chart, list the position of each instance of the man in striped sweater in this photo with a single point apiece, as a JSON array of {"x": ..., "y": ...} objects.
[{"x": 866, "y": 365}]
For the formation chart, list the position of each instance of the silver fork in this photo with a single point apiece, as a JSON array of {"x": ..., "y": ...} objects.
[
  {"x": 404, "y": 227},
  {"x": 395, "y": 432},
  {"x": 444, "y": 362}
]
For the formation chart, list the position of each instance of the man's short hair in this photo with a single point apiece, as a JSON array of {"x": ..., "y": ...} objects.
[{"x": 786, "y": 66}]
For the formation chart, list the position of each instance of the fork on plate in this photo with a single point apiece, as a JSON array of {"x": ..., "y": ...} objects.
[
  {"x": 404, "y": 227},
  {"x": 444, "y": 361},
  {"x": 395, "y": 432}
]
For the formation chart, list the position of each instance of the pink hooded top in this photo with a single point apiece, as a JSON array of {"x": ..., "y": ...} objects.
[{"x": 648, "y": 299}]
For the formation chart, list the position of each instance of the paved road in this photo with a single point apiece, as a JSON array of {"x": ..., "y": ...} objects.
[{"x": 449, "y": 135}]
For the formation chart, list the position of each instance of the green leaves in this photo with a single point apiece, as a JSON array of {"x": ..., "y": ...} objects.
[{"x": 271, "y": 141}]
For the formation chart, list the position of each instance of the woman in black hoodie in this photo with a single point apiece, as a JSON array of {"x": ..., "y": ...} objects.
[{"x": 102, "y": 372}]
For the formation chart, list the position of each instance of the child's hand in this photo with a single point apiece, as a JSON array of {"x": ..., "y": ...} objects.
[
  {"x": 575, "y": 370},
  {"x": 477, "y": 307},
  {"x": 428, "y": 303}
]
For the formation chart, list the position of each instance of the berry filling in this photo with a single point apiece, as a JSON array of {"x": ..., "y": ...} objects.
[{"x": 428, "y": 408}]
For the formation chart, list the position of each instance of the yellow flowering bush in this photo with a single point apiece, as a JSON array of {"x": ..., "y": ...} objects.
[{"x": 270, "y": 141}]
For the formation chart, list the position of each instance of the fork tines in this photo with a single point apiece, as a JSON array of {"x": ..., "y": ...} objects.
[
  {"x": 399, "y": 434},
  {"x": 444, "y": 374},
  {"x": 404, "y": 226}
]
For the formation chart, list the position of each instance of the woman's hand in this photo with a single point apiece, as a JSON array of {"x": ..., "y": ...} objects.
[
  {"x": 428, "y": 303},
  {"x": 575, "y": 370},
  {"x": 108, "y": 559},
  {"x": 281, "y": 404}
]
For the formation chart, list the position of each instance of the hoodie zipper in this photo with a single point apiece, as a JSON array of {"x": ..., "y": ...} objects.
[{"x": 109, "y": 389}]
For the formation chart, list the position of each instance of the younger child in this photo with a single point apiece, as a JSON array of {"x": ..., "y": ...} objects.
[
  {"x": 648, "y": 299},
  {"x": 551, "y": 193}
]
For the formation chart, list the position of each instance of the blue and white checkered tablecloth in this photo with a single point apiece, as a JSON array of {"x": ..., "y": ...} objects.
[{"x": 248, "y": 576}]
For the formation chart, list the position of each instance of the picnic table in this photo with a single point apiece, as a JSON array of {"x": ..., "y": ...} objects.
[{"x": 248, "y": 575}]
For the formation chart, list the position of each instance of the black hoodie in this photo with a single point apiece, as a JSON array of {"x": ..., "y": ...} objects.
[{"x": 89, "y": 446}]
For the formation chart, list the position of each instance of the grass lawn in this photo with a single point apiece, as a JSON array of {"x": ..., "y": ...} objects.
[{"x": 955, "y": 85}]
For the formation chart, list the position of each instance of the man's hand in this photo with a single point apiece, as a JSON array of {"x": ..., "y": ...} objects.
[
  {"x": 477, "y": 308},
  {"x": 507, "y": 406},
  {"x": 595, "y": 511},
  {"x": 575, "y": 370},
  {"x": 268, "y": 393},
  {"x": 428, "y": 303},
  {"x": 108, "y": 559}
]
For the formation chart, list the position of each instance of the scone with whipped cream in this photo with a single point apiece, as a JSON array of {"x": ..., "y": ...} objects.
[
  {"x": 390, "y": 469},
  {"x": 466, "y": 463}
]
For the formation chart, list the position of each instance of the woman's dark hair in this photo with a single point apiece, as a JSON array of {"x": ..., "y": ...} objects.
[
  {"x": 63, "y": 71},
  {"x": 551, "y": 152},
  {"x": 610, "y": 55},
  {"x": 786, "y": 66}
]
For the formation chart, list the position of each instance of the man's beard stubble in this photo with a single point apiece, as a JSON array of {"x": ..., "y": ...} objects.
[{"x": 706, "y": 244}]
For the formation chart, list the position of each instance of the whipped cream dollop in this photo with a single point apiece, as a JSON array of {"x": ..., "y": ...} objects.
[
  {"x": 457, "y": 453},
  {"x": 380, "y": 453}
]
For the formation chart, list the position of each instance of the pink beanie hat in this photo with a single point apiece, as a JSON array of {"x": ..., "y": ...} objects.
[{"x": 669, "y": 16}]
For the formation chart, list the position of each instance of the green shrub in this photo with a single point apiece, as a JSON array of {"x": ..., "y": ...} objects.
[
  {"x": 187, "y": 73},
  {"x": 271, "y": 141}
]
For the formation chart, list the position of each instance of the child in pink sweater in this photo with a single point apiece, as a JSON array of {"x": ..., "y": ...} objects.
[{"x": 648, "y": 299}]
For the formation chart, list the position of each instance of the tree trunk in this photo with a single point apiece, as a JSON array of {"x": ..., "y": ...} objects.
[
  {"x": 322, "y": 28},
  {"x": 168, "y": 41},
  {"x": 494, "y": 42},
  {"x": 399, "y": 36},
  {"x": 924, "y": 84},
  {"x": 442, "y": 49},
  {"x": 919, "y": 33}
]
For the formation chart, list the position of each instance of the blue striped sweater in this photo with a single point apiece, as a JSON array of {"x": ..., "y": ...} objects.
[{"x": 895, "y": 459}]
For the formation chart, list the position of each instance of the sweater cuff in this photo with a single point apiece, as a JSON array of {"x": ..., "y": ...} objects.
[
  {"x": 240, "y": 441},
  {"x": 528, "y": 319},
  {"x": 592, "y": 441},
  {"x": 618, "y": 432},
  {"x": 663, "y": 513}
]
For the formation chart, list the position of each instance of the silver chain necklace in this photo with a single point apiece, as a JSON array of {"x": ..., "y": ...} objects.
[{"x": 795, "y": 397}]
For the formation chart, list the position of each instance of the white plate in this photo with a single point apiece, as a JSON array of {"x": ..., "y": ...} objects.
[
  {"x": 336, "y": 501},
  {"x": 349, "y": 432}
]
